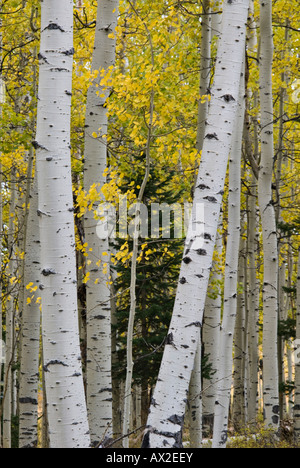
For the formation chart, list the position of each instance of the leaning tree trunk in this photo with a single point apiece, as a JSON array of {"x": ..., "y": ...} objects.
[
  {"x": 67, "y": 412},
  {"x": 30, "y": 331},
  {"x": 267, "y": 212},
  {"x": 231, "y": 281},
  {"x": 168, "y": 404},
  {"x": 99, "y": 378}
]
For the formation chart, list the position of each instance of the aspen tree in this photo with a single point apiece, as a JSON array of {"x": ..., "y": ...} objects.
[
  {"x": 67, "y": 414},
  {"x": 99, "y": 378},
  {"x": 211, "y": 335},
  {"x": 267, "y": 213},
  {"x": 10, "y": 319},
  {"x": 231, "y": 279},
  {"x": 297, "y": 360},
  {"x": 195, "y": 397},
  {"x": 167, "y": 409},
  {"x": 253, "y": 305},
  {"x": 30, "y": 342}
]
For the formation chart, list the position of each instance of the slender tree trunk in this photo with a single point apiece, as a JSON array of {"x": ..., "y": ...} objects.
[
  {"x": 231, "y": 280},
  {"x": 211, "y": 336},
  {"x": 297, "y": 362},
  {"x": 10, "y": 320},
  {"x": 29, "y": 376},
  {"x": 205, "y": 74},
  {"x": 253, "y": 307},
  {"x": 99, "y": 377},
  {"x": 239, "y": 376},
  {"x": 68, "y": 425},
  {"x": 267, "y": 212},
  {"x": 135, "y": 250},
  {"x": 195, "y": 403},
  {"x": 167, "y": 409},
  {"x": 195, "y": 398}
]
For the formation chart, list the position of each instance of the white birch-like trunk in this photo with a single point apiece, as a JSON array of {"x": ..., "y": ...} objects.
[
  {"x": 195, "y": 403},
  {"x": 239, "y": 350},
  {"x": 99, "y": 379},
  {"x": 211, "y": 338},
  {"x": 10, "y": 320},
  {"x": 67, "y": 415},
  {"x": 167, "y": 409},
  {"x": 253, "y": 304},
  {"x": 231, "y": 280},
  {"x": 267, "y": 212},
  {"x": 297, "y": 361},
  {"x": 195, "y": 398},
  {"x": 30, "y": 342}
]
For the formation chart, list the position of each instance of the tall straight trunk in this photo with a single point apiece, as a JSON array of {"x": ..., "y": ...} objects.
[
  {"x": 253, "y": 331},
  {"x": 99, "y": 378},
  {"x": 231, "y": 280},
  {"x": 205, "y": 74},
  {"x": 10, "y": 320},
  {"x": 211, "y": 338},
  {"x": 167, "y": 409},
  {"x": 67, "y": 414},
  {"x": 267, "y": 212},
  {"x": 30, "y": 331},
  {"x": 240, "y": 356},
  {"x": 297, "y": 361},
  {"x": 195, "y": 398},
  {"x": 195, "y": 403}
]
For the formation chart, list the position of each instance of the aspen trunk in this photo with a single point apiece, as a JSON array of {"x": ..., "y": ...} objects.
[
  {"x": 231, "y": 280},
  {"x": 167, "y": 409},
  {"x": 252, "y": 331},
  {"x": 211, "y": 338},
  {"x": 30, "y": 342},
  {"x": 267, "y": 212},
  {"x": 297, "y": 362},
  {"x": 10, "y": 320},
  {"x": 67, "y": 415},
  {"x": 99, "y": 378},
  {"x": 195, "y": 398}
]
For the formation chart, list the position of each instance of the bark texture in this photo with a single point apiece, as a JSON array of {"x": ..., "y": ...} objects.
[
  {"x": 67, "y": 415},
  {"x": 99, "y": 379},
  {"x": 267, "y": 212},
  {"x": 167, "y": 409}
]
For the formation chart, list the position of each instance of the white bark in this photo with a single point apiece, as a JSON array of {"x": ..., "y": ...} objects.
[
  {"x": 253, "y": 308},
  {"x": 68, "y": 426},
  {"x": 195, "y": 403},
  {"x": 167, "y": 410},
  {"x": 267, "y": 212},
  {"x": 231, "y": 280},
  {"x": 205, "y": 66},
  {"x": 10, "y": 320},
  {"x": 211, "y": 337},
  {"x": 30, "y": 342},
  {"x": 195, "y": 399},
  {"x": 297, "y": 362},
  {"x": 99, "y": 379}
]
